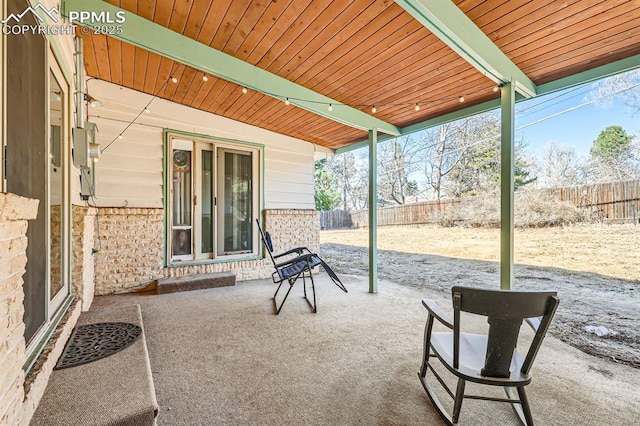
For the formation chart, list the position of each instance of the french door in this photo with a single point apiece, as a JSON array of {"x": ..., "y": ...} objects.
[{"x": 213, "y": 200}]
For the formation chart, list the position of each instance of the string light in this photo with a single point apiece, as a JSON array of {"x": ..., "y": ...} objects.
[
  {"x": 144, "y": 110},
  {"x": 374, "y": 109},
  {"x": 205, "y": 78},
  {"x": 244, "y": 90}
]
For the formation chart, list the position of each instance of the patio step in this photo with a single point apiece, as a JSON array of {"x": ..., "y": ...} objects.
[
  {"x": 195, "y": 282},
  {"x": 116, "y": 390}
]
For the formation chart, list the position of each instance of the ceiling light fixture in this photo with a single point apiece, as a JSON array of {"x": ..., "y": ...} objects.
[
  {"x": 496, "y": 88},
  {"x": 374, "y": 109},
  {"x": 461, "y": 99},
  {"x": 286, "y": 101},
  {"x": 120, "y": 136},
  {"x": 205, "y": 78},
  {"x": 147, "y": 111},
  {"x": 244, "y": 90},
  {"x": 417, "y": 107},
  {"x": 174, "y": 80},
  {"x": 330, "y": 107}
]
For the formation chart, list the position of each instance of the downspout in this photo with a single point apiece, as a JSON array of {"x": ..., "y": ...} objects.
[{"x": 79, "y": 57}]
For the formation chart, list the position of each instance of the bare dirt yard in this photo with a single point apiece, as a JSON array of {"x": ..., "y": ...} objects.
[{"x": 594, "y": 268}]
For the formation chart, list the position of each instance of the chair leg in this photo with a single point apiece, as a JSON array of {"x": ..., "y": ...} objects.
[
  {"x": 285, "y": 296},
  {"x": 314, "y": 306},
  {"x": 427, "y": 346},
  {"x": 525, "y": 406},
  {"x": 457, "y": 405},
  {"x": 521, "y": 408}
]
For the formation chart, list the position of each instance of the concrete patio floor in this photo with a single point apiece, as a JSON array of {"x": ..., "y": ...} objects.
[{"x": 221, "y": 356}]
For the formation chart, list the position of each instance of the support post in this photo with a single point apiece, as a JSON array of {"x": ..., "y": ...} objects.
[
  {"x": 506, "y": 185},
  {"x": 373, "y": 210}
]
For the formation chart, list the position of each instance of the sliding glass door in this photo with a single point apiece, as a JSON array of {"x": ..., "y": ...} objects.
[{"x": 213, "y": 200}]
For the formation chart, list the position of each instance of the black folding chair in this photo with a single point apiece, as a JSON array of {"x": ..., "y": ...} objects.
[
  {"x": 293, "y": 264},
  {"x": 490, "y": 359}
]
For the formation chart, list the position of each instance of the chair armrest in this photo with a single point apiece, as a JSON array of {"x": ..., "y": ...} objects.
[
  {"x": 297, "y": 250},
  {"x": 533, "y": 322},
  {"x": 437, "y": 313},
  {"x": 301, "y": 258}
]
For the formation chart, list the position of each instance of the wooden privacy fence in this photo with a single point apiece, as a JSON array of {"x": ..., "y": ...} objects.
[
  {"x": 335, "y": 219},
  {"x": 408, "y": 214},
  {"x": 618, "y": 201},
  {"x": 615, "y": 201}
]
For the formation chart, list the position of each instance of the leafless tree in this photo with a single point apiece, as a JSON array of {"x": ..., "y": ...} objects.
[
  {"x": 560, "y": 166},
  {"x": 396, "y": 161}
]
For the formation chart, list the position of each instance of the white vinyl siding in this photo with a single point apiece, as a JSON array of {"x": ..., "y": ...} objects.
[{"x": 130, "y": 170}]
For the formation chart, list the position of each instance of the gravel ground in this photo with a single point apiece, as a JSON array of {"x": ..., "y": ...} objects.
[{"x": 598, "y": 314}]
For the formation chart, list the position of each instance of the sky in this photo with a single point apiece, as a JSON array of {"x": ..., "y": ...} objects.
[{"x": 577, "y": 128}]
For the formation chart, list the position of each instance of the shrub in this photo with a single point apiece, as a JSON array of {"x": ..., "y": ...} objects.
[{"x": 532, "y": 209}]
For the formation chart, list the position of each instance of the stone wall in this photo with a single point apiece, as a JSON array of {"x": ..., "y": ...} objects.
[
  {"x": 131, "y": 247},
  {"x": 15, "y": 211},
  {"x": 82, "y": 246}
]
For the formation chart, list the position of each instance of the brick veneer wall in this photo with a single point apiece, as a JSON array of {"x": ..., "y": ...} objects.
[
  {"x": 15, "y": 211},
  {"x": 293, "y": 228},
  {"x": 131, "y": 243}
]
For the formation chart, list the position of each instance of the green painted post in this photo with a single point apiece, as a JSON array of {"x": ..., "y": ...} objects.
[
  {"x": 373, "y": 210},
  {"x": 506, "y": 186}
]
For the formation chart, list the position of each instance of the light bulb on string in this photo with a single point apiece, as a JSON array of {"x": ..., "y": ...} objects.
[
  {"x": 417, "y": 107},
  {"x": 286, "y": 102},
  {"x": 374, "y": 109},
  {"x": 120, "y": 136},
  {"x": 496, "y": 88},
  {"x": 330, "y": 108},
  {"x": 244, "y": 90},
  {"x": 147, "y": 111},
  {"x": 174, "y": 80},
  {"x": 461, "y": 99},
  {"x": 205, "y": 78}
]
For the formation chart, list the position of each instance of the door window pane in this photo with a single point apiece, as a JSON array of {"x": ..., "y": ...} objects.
[
  {"x": 237, "y": 202},
  {"x": 55, "y": 187},
  {"x": 206, "y": 205},
  {"x": 181, "y": 188}
]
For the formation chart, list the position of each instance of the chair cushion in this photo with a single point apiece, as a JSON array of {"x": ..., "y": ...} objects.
[{"x": 473, "y": 350}]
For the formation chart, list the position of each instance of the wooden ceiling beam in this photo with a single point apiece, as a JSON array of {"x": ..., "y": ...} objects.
[
  {"x": 158, "y": 39},
  {"x": 447, "y": 22}
]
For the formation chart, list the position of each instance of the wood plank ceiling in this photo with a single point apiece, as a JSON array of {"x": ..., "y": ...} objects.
[{"x": 361, "y": 53}]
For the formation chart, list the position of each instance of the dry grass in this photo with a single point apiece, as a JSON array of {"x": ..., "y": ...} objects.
[{"x": 612, "y": 250}]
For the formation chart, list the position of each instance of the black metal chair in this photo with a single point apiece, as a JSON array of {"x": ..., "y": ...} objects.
[
  {"x": 293, "y": 264},
  {"x": 490, "y": 359}
]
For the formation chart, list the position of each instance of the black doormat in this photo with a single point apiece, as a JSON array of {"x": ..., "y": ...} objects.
[{"x": 92, "y": 342}]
